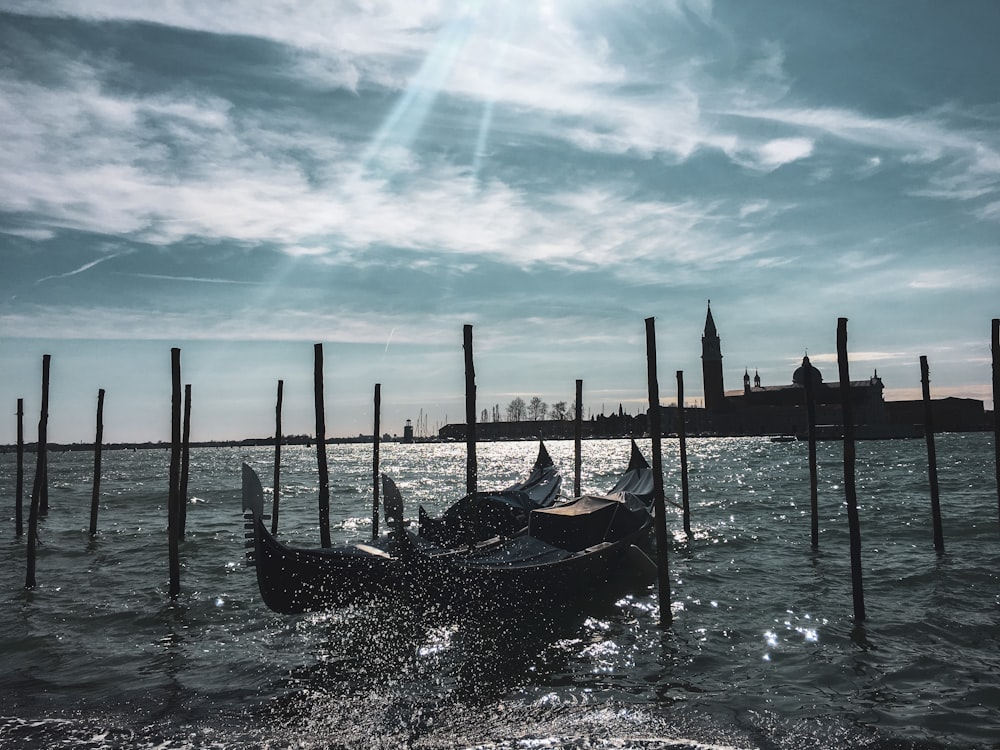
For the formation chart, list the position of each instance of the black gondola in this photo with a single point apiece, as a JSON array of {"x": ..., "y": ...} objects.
[
  {"x": 564, "y": 550},
  {"x": 294, "y": 580},
  {"x": 483, "y": 515},
  {"x": 567, "y": 552}
]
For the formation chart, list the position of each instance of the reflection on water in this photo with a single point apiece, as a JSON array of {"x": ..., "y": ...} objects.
[{"x": 763, "y": 651}]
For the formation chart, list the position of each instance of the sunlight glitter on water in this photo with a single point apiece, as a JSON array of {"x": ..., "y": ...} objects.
[{"x": 200, "y": 675}]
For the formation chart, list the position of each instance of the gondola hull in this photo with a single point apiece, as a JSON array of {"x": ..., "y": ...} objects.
[
  {"x": 567, "y": 551},
  {"x": 548, "y": 579},
  {"x": 294, "y": 580}
]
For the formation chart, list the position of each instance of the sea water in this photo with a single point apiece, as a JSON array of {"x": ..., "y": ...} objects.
[{"x": 763, "y": 651}]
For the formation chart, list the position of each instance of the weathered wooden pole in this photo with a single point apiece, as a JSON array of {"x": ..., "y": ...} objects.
[
  {"x": 471, "y": 464},
  {"x": 44, "y": 508},
  {"x": 659, "y": 503},
  {"x": 43, "y": 489},
  {"x": 850, "y": 488},
  {"x": 682, "y": 437},
  {"x": 995, "y": 348},
  {"x": 98, "y": 447},
  {"x": 43, "y": 505},
  {"x": 324, "y": 472},
  {"x": 277, "y": 460},
  {"x": 19, "y": 481},
  {"x": 578, "y": 439},
  {"x": 173, "y": 498},
  {"x": 36, "y": 492},
  {"x": 925, "y": 382},
  {"x": 811, "y": 436},
  {"x": 375, "y": 459},
  {"x": 185, "y": 465}
]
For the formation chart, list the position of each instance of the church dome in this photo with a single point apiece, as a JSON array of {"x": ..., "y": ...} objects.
[{"x": 799, "y": 376}]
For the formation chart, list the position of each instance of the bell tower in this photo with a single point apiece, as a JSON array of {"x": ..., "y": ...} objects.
[{"x": 711, "y": 364}]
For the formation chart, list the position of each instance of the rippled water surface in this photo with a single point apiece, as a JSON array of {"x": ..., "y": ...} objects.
[{"x": 763, "y": 651}]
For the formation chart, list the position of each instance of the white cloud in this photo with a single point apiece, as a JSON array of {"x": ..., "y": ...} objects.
[
  {"x": 81, "y": 160},
  {"x": 780, "y": 151},
  {"x": 773, "y": 262},
  {"x": 523, "y": 58},
  {"x": 955, "y": 163},
  {"x": 557, "y": 64},
  {"x": 854, "y": 260},
  {"x": 950, "y": 278},
  {"x": 753, "y": 207},
  {"x": 860, "y": 357},
  {"x": 280, "y": 324},
  {"x": 990, "y": 212},
  {"x": 870, "y": 166},
  {"x": 339, "y": 27},
  {"x": 38, "y": 235},
  {"x": 85, "y": 158},
  {"x": 299, "y": 251}
]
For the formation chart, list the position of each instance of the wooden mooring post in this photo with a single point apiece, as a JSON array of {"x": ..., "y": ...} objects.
[
  {"x": 578, "y": 439},
  {"x": 932, "y": 475},
  {"x": 682, "y": 438},
  {"x": 659, "y": 502},
  {"x": 173, "y": 498},
  {"x": 995, "y": 348},
  {"x": 95, "y": 497},
  {"x": 182, "y": 495},
  {"x": 811, "y": 437},
  {"x": 19, "y": 479},
  {"x": 850, "y": 488},
  {"x": 471, "y": 463},
  {"x": 375, "y": 459},
  {"x": 276, "y": 492},
  {"x": 43, "y": 504},
  {"x": 43, "y": 489},
  {"x": 40, "y": 478},
  {"x": 324, "y": 472}
]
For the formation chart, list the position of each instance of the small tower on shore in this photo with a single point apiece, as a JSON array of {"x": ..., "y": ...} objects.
[{"x": 408, "y": 431}]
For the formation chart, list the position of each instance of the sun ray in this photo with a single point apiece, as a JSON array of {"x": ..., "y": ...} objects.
[{"x": 401, "y": 127}]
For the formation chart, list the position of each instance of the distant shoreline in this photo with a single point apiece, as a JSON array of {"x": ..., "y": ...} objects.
[{"x": 360, "y": 439}]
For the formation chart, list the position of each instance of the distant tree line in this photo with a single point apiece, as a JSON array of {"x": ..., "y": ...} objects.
[{"x": 535, "y": 410}]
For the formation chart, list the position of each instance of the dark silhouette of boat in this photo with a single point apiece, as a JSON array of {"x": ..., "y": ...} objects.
[
  {"x": 567, "y": 552},
  {"x": 294, "y": 579},
  {"x": 483, "y": 515},
  {"x": 563, "y": 549}
]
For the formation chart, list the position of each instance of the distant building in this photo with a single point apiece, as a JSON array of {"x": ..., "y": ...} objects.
[
  {"x": 759, "y": 409},
  {"x": 408, "y": 431},
  {"x": 711, "y": 365},
  {"x": 547, "y": 428},
  {"x": 947, "y": 414},
  {"x": 614, "y": 425}
]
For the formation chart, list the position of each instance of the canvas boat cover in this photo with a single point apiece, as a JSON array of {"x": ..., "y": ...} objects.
[
  {"x": 502, "y": 513},
  {"x": 637, "y": 480},
  {"x": 584, "y": 522},
  {"x": 639, "y": 484},
  {"x": 514, "y": 499}
]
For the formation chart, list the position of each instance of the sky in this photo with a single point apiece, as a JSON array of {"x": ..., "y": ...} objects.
[{"x": 243, "y": 180}]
